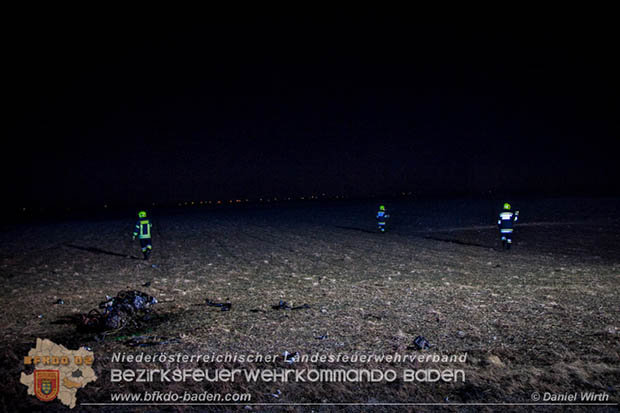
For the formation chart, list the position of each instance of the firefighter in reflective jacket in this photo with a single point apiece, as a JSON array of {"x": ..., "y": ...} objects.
[
  {"x": 506, "y": 224},
  {"x": 143, "y": 232},
  {"x": 382, "y": 217}
]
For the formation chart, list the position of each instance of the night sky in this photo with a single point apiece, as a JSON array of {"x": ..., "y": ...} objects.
[{"x": 134, "y": 111}]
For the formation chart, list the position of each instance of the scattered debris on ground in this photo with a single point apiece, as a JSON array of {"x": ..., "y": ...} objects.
[
  {"x": 421, "y": 343},
  {"x": 290, "y": 357},
  {"x": 283, "y": 305},
  {"x": 515, "y": 314},
  {"x": 223, "y": 306}
]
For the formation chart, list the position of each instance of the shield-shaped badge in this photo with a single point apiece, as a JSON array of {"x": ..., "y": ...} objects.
[{"x": 46, "y": 384}]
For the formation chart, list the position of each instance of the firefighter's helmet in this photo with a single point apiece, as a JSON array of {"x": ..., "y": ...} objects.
[
  {"x": 142, "y": 214},
  {"x": 381, "y": 208},
  {"x": 507, "y": 206}
]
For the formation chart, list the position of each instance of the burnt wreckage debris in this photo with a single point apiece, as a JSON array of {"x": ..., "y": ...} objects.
[{"x": 128, "y": 309}]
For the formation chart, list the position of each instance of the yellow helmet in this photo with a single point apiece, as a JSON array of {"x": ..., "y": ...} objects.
[
  {"x": 507, "y": 206},
  {"x": 381, "y": 208},
  {"x": 142, "y": 214}
]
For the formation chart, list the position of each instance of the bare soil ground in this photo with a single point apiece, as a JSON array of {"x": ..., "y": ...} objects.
[{"x": 543, "y": 317}]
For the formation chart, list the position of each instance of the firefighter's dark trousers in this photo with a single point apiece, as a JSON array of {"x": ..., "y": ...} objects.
[{"x": 145, "y": 244}]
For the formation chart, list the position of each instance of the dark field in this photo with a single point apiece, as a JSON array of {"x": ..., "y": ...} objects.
[{"x": 543, "y": 317}]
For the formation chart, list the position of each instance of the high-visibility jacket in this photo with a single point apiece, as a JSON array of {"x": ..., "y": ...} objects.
[
  {"x": 382, "y": 216},
  {"x": 143, "y": 229},
  {"x": 506, "y": 221}
]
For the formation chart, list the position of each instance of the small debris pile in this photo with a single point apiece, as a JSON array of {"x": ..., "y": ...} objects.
[{"x": 128, "y": 309}]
